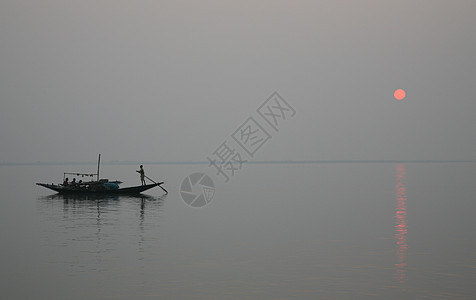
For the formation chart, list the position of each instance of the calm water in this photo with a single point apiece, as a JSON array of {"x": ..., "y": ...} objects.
[{"x": 307, "y": 231}]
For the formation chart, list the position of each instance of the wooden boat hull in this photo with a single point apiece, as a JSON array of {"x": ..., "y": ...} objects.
[{"x": 133, "y": 190}]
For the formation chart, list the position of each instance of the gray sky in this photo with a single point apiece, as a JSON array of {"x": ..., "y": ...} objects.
[{"x": 171, "y": 80}]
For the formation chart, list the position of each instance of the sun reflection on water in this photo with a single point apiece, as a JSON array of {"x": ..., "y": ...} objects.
[{"x": 401, "y": 227}]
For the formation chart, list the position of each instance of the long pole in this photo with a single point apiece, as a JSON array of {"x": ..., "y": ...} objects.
[
  {"x": 157, "y": 183},
  {"x": 99, "y": 161}
]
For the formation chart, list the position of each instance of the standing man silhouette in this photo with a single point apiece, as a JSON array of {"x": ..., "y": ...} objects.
[{"x": 142, "y": 174}]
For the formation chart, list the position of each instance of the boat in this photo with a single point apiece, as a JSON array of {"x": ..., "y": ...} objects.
[{"x": 98, "y": 186}]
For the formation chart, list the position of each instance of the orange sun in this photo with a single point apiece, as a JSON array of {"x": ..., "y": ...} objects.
[{"x": 399, "y": 94}]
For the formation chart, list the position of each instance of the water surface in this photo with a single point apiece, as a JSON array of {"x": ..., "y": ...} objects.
[{"x": 275, "y": 231}]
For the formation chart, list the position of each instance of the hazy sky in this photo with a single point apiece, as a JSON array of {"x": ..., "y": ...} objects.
[{"x": 172, "y": 80}]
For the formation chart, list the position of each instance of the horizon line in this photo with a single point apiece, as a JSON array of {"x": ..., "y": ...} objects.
[{"x": 258, "y": 162}]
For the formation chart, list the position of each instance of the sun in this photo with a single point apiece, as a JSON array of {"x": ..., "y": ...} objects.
[{"x": 399, "y": 94}]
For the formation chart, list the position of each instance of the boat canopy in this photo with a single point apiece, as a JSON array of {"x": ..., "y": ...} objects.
[{"x": 78, "y": 174}]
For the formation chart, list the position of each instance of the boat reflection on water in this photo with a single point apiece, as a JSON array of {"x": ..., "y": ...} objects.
[
  {"x": 97, "y": 227},
  {"x": 76, "y": 203},
  {"x": 401, "y": 227},
  {"x": 98, "y": 197}
]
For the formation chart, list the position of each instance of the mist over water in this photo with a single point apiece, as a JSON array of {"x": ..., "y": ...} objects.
[
  {"x": 292, "y": 231},
  {"x": 320, "y": 183}
]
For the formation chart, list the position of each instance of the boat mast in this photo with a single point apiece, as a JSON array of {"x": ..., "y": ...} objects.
[{"x": 99, "y": 160}]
